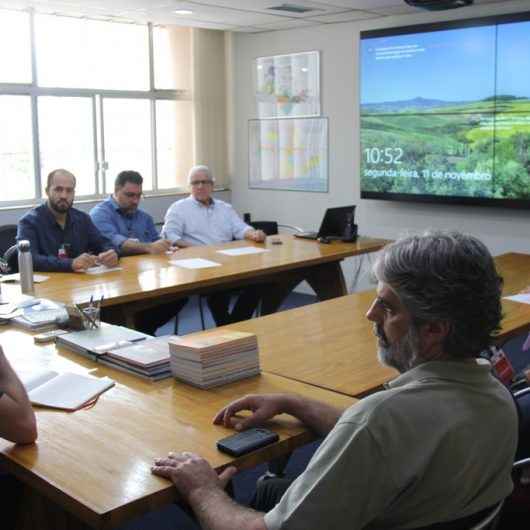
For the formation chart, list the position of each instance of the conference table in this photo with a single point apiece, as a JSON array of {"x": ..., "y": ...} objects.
[
  {"x": 514, "y": 267},
  {"x": 92, "y": 467},
  {"x": 283, "y": 261},
  {"x": 331, "y": 344},
  {"x": 94, "y": 464}
]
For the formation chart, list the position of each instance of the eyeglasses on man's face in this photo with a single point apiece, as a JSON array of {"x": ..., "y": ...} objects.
[{"x": 196, "y": 183}]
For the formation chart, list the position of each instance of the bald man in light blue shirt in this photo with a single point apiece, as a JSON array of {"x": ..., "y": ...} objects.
[{"x": 202, "y": 220}]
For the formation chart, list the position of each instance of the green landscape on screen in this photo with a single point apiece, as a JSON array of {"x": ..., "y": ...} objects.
[{"x": 462, "y": 130}]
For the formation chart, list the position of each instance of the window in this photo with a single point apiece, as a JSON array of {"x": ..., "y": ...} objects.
[
  {"x": 166, "y": 138},
  {"x": 16, "y": 148},
  {"x": 127, "y": 138},
  {"x": 81, "y": 53},
  {"x": 15, "y": 66},
  {"x": 96, "y": 106}
]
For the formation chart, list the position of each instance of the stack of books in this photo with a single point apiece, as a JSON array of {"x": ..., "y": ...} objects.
[
  {"x": 94, "y": 343},
  {"x": 214, "y": 357},
  {"x": 148, "y": 359}
]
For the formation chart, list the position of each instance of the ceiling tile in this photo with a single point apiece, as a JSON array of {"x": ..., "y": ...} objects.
[
  {"x": 248, "y": 29},
  {"x": 190, "y": 22},
  {"x": 218, "y": 14},
  {"x": 344, "y": 16},
  {"x": 366, "y": 5},
  {"x": 288, "y": 24},
  {"x": 397, "y": 10},
  {"x": 264, "y": 5}
]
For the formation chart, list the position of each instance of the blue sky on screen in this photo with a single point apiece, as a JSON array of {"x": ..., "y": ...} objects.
[
  {"x": 450, "y": 65},
  {"x": 514, "y": 59}
]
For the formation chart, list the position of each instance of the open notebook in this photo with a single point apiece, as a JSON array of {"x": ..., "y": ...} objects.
[{"x": 66, "y": 391}]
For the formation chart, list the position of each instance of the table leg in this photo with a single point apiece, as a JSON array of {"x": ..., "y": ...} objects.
[
  {"x": 276, "y": 293},
  {"x": 327, "y": 280},
  {"x": 116, "y": 315}
]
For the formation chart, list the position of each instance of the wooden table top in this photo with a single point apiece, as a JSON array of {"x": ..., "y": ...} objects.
[
  {"x": 96, "y": 462},
  {"x": 515, "y": 269},
  {"x": 328, "y": 344},
  {"x": 331, "y": 344},
  {"x": 149, "y": 276}
]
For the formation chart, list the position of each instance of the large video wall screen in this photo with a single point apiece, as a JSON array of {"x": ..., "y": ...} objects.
[{"x": 445, "y": 112}]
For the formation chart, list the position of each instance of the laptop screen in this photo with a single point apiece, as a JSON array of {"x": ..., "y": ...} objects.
[{"x": 335, "y": 221}]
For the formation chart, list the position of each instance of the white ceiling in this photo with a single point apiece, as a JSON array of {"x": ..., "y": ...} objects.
[{"x": 233, "y": 15}]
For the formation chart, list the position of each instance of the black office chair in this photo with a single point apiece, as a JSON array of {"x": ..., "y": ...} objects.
[
  {"x": 8, "y": 236},
  {"x": 269, "y": 227},
  {"x": 10, "y": 257},
  {"x": 517, "y": 506},
  {"x": 8, "y": 247}
]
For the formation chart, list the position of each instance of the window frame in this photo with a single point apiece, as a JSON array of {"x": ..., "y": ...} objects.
[{"x": 34, "y": 91}]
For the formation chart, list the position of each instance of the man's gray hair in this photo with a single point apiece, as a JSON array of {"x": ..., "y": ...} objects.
[
  {"x": 450, "y": 277},
  {"x": 197, "y": 169}
]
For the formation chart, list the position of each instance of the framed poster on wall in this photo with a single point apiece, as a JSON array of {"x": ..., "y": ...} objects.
[
  {"x": 289, "y": 154},
  {"x": 288, "y": 86}
]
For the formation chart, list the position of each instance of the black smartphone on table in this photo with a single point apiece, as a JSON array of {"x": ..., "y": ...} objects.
[{"x": 246, "y": 441}]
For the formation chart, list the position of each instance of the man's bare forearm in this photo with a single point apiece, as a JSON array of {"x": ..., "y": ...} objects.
[
  {"x": 182, "y": 244},
  {"x": 131, "y": 246},
  {"x": 17, "y": 419},
  {"x": 316, "y": 415},
  {"x": 215, "y": 510}
]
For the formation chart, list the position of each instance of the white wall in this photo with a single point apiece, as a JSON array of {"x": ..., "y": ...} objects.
[{"x": 501, "y": 229}]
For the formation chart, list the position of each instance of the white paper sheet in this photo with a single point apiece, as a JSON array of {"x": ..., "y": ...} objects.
[
  {"x": 523, "y": 298},
  {"x": 102, "y": 269},
  {"x": 37, "y": 278},
  {"x": 194, "y": 263},
  {"x": 241, "y": 251}
]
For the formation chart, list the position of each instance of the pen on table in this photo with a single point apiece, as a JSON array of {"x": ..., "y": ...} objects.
[{"x": 139, "y": 339}]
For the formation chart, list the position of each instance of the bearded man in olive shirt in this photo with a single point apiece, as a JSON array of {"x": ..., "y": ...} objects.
[{"x": 436, "y": 446}]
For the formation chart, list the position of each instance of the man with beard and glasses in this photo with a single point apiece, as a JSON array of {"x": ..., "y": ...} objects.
[
  {"x": 63, "y": 238},
  {"x": 132, "y": 231},
  {"x": 432, "y": 450},
  {"x": 119, "y": 218}
]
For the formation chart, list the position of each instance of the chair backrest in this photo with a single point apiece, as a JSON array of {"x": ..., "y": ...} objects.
[
  {"x": 485, "y": 519},
  {"x": 8, "y": 234},
  {"x": 490, "y": 519},
  {"x": 516, "y": 507},
  {"x": 11, "y": 258},
  {"x": 269, "y": 227},
  {"x": 522, "y": 400}
]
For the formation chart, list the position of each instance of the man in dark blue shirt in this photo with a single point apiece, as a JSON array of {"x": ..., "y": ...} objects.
[{"x": 62, "y": 238}]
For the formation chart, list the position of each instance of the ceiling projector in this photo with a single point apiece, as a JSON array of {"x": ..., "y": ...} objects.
[{"x": 438, "y": 5}]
